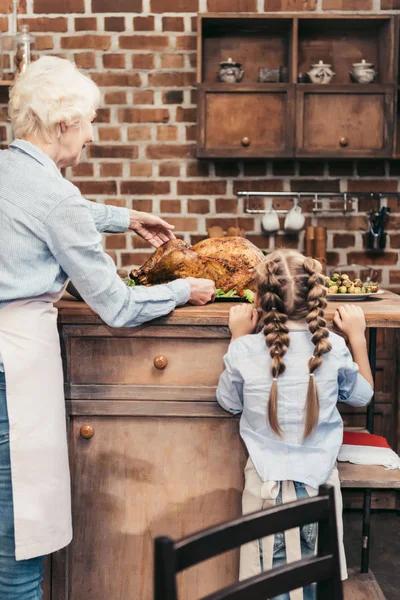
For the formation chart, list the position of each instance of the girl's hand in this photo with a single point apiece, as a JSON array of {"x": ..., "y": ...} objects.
[
  {"x": 151, "y": 228},
  {"x": 350, "y": 320},
  {"x": 243, "y": 319}
]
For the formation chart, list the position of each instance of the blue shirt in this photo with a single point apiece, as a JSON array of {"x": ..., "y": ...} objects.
[
  {"x": 245, "y": 385},
  {"x": 49, "y": 233}
]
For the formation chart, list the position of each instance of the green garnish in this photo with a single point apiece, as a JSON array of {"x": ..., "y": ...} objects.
[
  {"x": 248, "y": 294},
  {"x": 129, "y": 282}
]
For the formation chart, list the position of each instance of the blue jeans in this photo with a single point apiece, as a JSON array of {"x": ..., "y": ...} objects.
[
  {"x": 308, "y": 537},
  {"x": 19, "y": 580}
]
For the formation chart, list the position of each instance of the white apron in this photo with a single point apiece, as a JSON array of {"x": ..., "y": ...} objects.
[
  {"x": 259, "y": 495},
  {"x": 30, "y": 350}
]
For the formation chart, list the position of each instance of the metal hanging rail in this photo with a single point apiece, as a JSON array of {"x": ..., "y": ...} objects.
[{"x": 317, "y": 199}]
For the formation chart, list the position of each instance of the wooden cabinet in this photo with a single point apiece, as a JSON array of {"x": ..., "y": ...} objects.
[
  {"x": 238, "y": 122},
  {"x": 249, "y": 119}
]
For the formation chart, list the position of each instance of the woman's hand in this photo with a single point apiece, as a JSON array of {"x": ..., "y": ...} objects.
[
  {"x": 243, "y": 319},
  {"x": 350, "y": 320},
  {"x": 150, "y": 228}
]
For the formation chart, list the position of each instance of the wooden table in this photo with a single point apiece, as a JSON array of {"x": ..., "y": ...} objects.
[{"x": 190, "y": 325}]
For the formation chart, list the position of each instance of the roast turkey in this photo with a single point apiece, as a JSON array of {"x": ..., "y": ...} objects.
[{"x": 228, "y": 261}]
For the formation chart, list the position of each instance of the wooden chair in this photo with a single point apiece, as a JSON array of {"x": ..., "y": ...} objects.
[{"x": 172, "y": 557}]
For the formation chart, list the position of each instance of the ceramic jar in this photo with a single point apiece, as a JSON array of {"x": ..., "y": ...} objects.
[
  {"x": 320, "y": 73},
  {"x": 230, "y": 71},
  {"x": 363, "y": 72}
]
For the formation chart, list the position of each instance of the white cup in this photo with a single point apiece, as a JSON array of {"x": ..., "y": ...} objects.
[
  {"x": 270, "y": 221},
  {"x": 294, "y": 219}
]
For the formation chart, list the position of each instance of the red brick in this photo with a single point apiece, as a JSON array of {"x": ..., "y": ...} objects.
[
  {"x": 232, "y": 5},
  {"x": 394, "y": 223},
  {"x": 111, "y": 170},
  {"x": 261, "y": 241},
  {"x": 161, "y": 151},
  {"x": 191, "y": 133},
  {"x": 137, "y": 242},
  {"x": 178, "y": 6},
  {"x": 393, "y": 204},
  {"x": 114, "y": 23},
  {"x": 197, "y": 169},
  {"x": 148, "y": 188},
  {"x": 139, "y": 134},
  {"x": 97, "y": 187},
  {"x": 60, "y": 6},
  {"x": 186, "y": 42},
  {"x": 83, "y": 170},
  {"x": 258, "y": 185},
  {"x": 226, "y": 205},
  {"x": 143, "y": 42},
  {"x": 186, "y": 115},
  {"x": 123, "y": 6},
  {"x": 3, "y": 24},
  {"x": 352, "y": 223},
  {"x": 97, "y": 42},
  {"x": 308, "y": 185},
  {"x": 200, "y": 207},
  {"x": 171, "y": 79},
  {"x": 172, "y": 61},
  {"x": 193, "y": 61},
  {"x": 255, "y": 168},
  {"x": 201, "y": 188},
  {"x": 112, "y": 255},
  {"x": 170, "y": 206},
  {"x": 289, "y": 5},
  {"x": 115, "y": 202},
  {"x": 366, "y": 204},
  {"x": 109, "y": 134},
  {"x": 173, "y": 24},
  {"x": 116, "y": 151},
  {"x": 246, "y": 223},
  {"x": 343, "y": 240},
  {"x": 44, "y": 42},
  {"x": 372, "y": 258},
  {"x": 287, "y": 240},
  {"x": 143, "y": 205},
  {"x": 167, "y": 133},
  {"x": 103, "y": 115},
  {"x": 141, "y": 169},
  {"x": 143, "y": 24},
  {"x": 115, "y": 98},
  {"x": 142, "y": 61},
  {"x": 117, "y": 79},
  {"x": 134, "y": 258},
  {"x": 372, "y": 185},
  {"x": 85, "y": 60},
  {"x": 143, "y": 115},
  {"x": 116, "y": 241},
  {"x": 169, "y": 169},
  {"x": 193, "y": 22},
  {"x": 394, "y": 276},
  {"x": 347, "y": 4},
  {"x": 226, "y": 169},
  {"x": 184, "y": 223},
  {"x": 114, "y": 61},
  {"x": 395, "y": 240},
  {"x": 6, "y": 6},
  {"x": 46, "y": 24},
  {"x": 143, "y": 97},
  {"x": 85, "y": 24},
  {"x": 172, "y": 97}
]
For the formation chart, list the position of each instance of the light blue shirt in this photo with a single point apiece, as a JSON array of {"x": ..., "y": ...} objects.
[
  {"x": 245, "y": 385},
  {"x": 49, "y": 233}
]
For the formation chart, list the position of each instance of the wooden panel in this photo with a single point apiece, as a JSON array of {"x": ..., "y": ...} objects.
[
  {"x": 362, "y": 586},
  {"x": 141, "y": 477},
  {"x": 330, "y": 118},
  {"x": 368, "y": 476},
  {"x": 46, "y": 583},
  {"x": 229, "y": 117},
  {"x": 131, "y": 361},
  {"x": 384, "y": 422}
]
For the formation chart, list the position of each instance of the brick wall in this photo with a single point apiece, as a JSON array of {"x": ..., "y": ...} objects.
[{"x": 142, "y": 54}]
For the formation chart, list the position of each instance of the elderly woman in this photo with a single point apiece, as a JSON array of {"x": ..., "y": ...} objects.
[{"x": 50, "y": 233}]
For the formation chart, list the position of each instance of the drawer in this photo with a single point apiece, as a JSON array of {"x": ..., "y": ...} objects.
[{"x": 159, "y": 361}]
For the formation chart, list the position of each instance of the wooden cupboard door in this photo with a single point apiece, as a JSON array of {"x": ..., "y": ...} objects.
[
  {"x": 336, "y": 122},
  {"x": 242, "y": 122},
  {"x": 138, "y": 478}
]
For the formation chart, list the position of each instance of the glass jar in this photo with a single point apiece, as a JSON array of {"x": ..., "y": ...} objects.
[{"x": 23, "y": 43}]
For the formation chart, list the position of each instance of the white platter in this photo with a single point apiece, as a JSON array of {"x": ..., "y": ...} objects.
[{"x": 353, "y": 297}]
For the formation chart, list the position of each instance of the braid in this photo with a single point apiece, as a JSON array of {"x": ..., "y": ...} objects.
[
  {"x": 276, "y": 334},
  {"x": 316, "y": 303}
]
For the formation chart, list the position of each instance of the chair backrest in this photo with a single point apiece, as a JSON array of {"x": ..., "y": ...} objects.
[{"x": 171, "y": 556}]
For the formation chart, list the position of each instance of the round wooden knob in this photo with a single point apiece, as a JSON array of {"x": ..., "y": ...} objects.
[
  {"x": 343, "y": 141},
  {"x": 87, "y": 432},
  {"x": 245, "y": 142},
  {"x": 160, "y": 361}
]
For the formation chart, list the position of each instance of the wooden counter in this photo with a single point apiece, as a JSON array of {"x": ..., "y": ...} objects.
[{"x": 151, "y": 451}]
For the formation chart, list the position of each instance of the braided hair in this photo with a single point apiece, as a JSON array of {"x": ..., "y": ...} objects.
[{"x": 290, "y": 286}]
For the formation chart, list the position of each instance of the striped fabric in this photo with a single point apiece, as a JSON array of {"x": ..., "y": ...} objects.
[{"x": 49, "y": 233}]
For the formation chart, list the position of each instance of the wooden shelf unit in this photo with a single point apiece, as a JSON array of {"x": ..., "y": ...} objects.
[{"x": 258, "y": 120}]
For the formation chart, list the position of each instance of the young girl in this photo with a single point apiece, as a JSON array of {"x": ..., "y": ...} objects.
[{"x": 286, "y": 381}]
